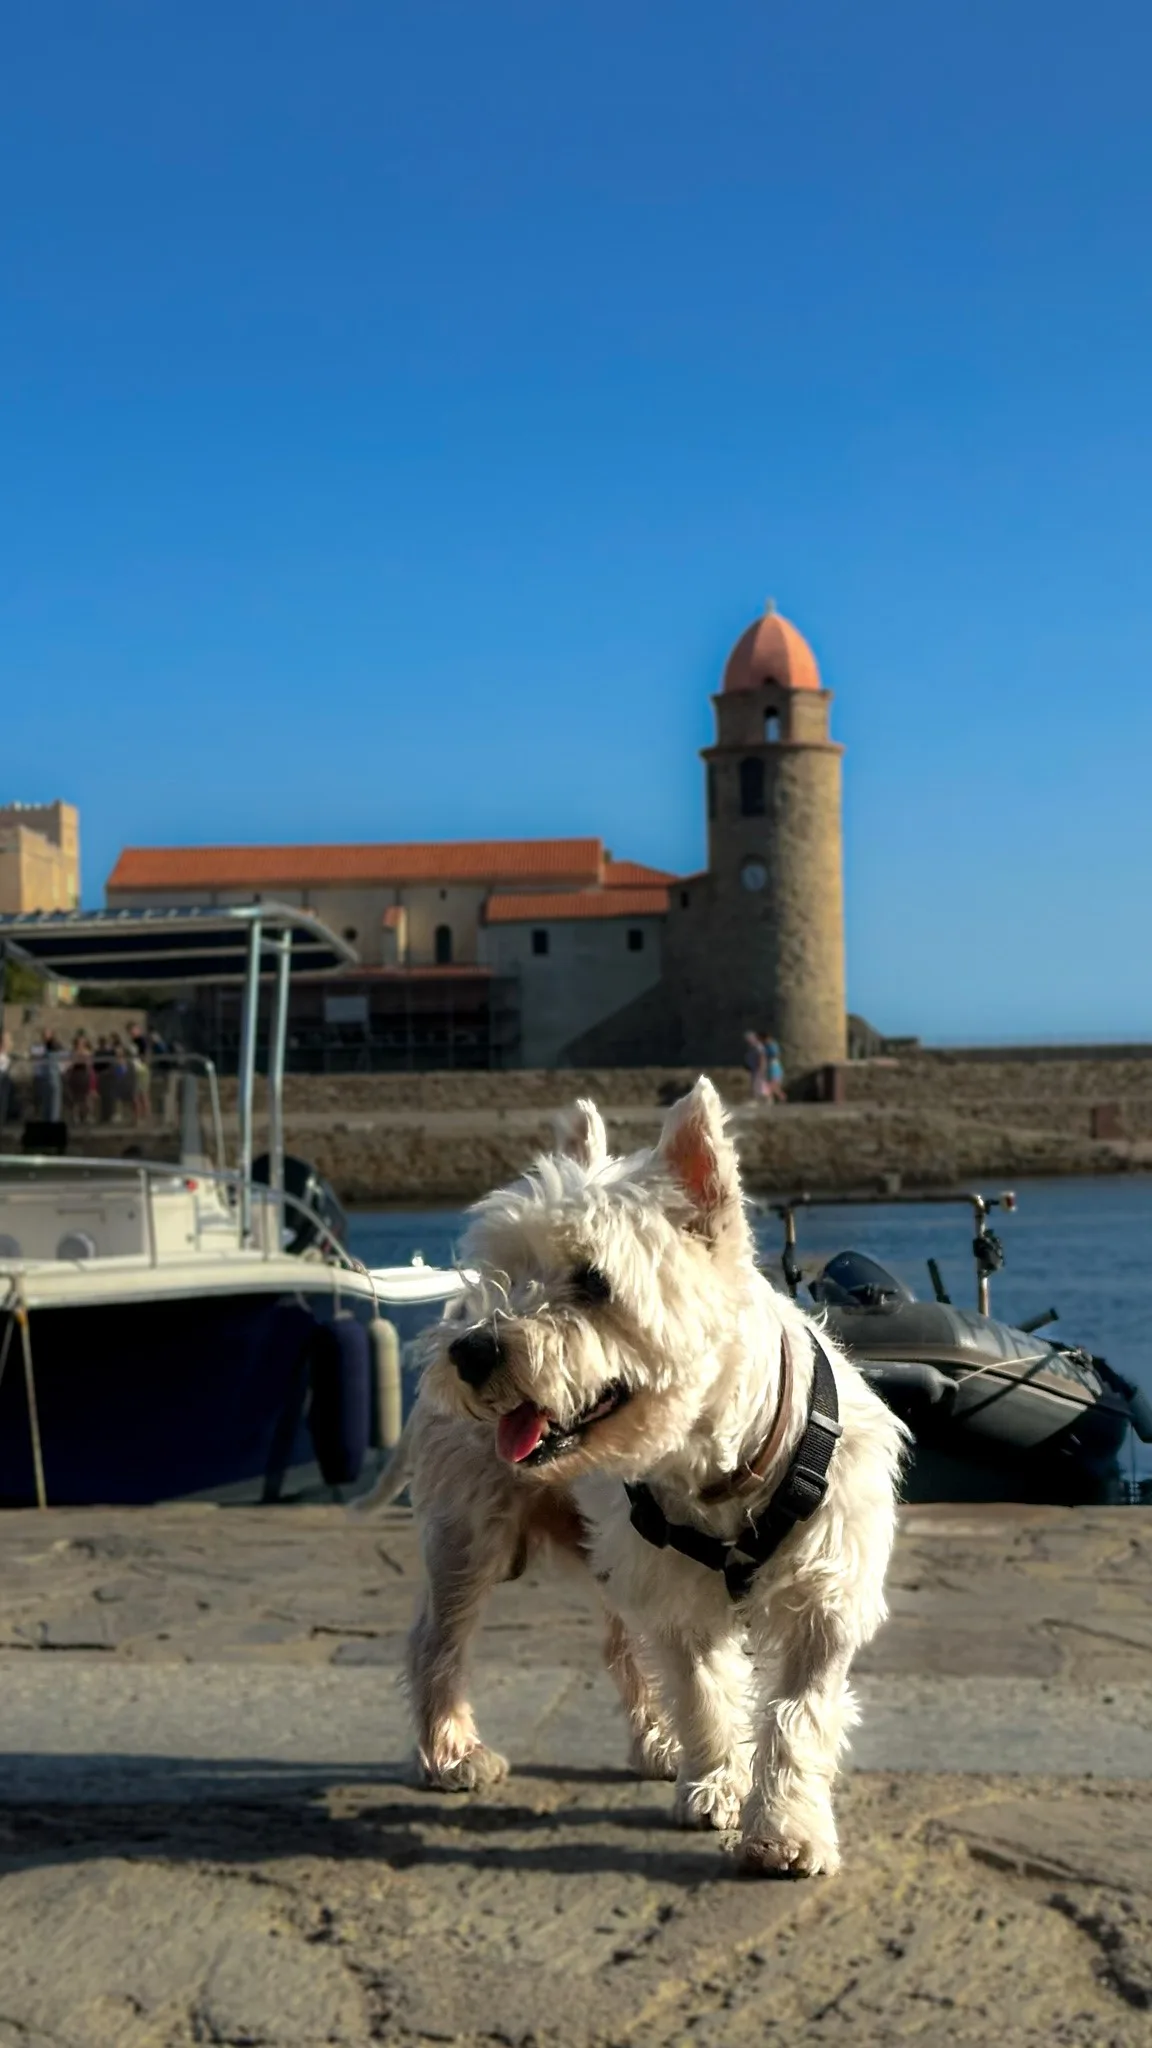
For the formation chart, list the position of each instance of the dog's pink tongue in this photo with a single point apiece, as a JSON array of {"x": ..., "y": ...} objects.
[{"x": 518, "y": 1433}]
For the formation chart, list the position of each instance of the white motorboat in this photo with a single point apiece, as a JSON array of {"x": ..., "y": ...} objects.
[{"x": 183, "y": 1328}]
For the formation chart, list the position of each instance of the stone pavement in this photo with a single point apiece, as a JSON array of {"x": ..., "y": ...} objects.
[{"x": 206, "y": 1834}]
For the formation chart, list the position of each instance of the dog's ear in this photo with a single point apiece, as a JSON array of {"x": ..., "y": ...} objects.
[
  {"x": 697, "y": 1153},
  {"x": 580, "y": 1134}
]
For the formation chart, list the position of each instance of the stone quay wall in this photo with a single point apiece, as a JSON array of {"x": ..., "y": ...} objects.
[
  {"x": 820, "y": 1150},
  {"x": 1083, "y": 1092},
  {"x": 514, "y": 1090},
  {"x": 928, "y": 1120}
]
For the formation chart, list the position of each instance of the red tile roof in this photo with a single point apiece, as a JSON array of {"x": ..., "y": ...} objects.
[
  {"x": 559, "y": 906},
  {"x": 302, "y": 867},
  {"x": 632, "y": 874}
]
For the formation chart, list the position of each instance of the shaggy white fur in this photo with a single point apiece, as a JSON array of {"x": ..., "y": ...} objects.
[{"x": 619, "y": 1330}]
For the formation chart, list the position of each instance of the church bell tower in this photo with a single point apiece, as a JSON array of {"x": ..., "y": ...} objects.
[{"x": 761, "y": 934}]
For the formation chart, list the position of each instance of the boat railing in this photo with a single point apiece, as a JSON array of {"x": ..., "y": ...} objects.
[
  {"x": 246, "y": 1200},
  {"x": 987, "y": 1250}
]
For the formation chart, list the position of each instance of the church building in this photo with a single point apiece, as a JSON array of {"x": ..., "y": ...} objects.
[{"x": 553, "y": 953}]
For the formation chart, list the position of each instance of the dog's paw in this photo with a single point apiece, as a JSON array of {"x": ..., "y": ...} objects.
[
  {"x": 714, "y": 1801},
  {"x": 655, "y": 1753},
  {"x": 473, "y": 1770},
  {"x": 783, "y": 1845}
]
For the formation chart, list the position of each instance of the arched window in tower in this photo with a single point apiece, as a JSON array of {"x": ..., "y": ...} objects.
[
  {"x": 772, "y": 727},
  {"x": 711, "y": 792},
  {"x": 751, "y": 787},
  {"x": 443, "y": 945}
]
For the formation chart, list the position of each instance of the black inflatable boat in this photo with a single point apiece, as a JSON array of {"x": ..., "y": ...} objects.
[{"x": 998, "y": 1413}]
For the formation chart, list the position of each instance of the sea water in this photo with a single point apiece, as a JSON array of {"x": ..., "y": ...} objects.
[{"x": 1081, "y": 1246}]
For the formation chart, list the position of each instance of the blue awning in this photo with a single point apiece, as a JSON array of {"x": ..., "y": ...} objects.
[{"x": 181, "y": 945}]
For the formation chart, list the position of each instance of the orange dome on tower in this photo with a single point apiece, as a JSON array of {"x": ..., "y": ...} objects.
[{"x": 772, "y": 651}]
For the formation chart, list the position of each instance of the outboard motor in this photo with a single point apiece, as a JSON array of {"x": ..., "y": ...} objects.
[
  {"x": 852, "y": 1280},
  {"x": 308, "y": 1187}
]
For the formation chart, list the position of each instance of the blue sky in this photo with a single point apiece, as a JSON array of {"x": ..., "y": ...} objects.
[{"x": 406, "y": 403}]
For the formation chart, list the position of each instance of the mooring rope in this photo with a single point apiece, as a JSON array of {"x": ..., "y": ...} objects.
[
  {"x": 11, "y": 1312},
  {"x": 20, "y": 1315}
]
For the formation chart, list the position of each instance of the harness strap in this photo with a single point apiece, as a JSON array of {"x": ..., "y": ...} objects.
[
  {"x": 798, "y": 1496},
  {"x": 753, "y": 1473}
]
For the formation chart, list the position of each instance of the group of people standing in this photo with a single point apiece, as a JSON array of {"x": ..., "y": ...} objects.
[
  {"x": 107, "y": 1082},
  {"x": 765, "y": 1067}
]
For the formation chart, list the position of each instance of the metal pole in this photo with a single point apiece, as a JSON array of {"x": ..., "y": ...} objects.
[
  {"x": 247, "y": 1074},
  {"x": 980, "y": 1214},
  {"x": 149, "y": 1215},
  {"x": 277, "y": 1045},
  {"x": 789, "y": 1264},
  {"x": 217, "y": 1119}
]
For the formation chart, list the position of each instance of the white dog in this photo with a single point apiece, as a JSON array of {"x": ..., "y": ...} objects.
[{"x": 621, "y": 1379}]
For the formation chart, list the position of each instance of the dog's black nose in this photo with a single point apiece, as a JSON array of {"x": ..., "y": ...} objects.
[{"x": 475, "y": 1356}]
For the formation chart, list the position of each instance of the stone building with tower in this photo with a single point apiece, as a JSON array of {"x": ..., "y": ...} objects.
[{"x": 553, "y": 953}]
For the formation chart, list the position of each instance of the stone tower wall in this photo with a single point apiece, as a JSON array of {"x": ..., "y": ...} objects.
[
  {"x": 39, "y": 857},
  {"x": 768, "y": 959},
  {"x": 805, "y": 883}
]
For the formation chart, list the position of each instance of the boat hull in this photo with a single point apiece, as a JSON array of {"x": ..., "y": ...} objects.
[
  {"x": 996, "y": 1413},
  {"x": 204, "y": 1397}
]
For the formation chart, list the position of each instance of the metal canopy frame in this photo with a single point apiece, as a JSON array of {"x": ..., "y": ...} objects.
[{"x": 186, "y": 946}]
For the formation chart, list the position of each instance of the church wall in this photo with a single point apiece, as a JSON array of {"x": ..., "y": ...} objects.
[
  {"x": 588, "y": 973},
  {"x": 185, "y": 899},
  {"x": 644, "y": 1033},
  {"x": 455, "y": 904},
  {"x": 358, "y": 910}
]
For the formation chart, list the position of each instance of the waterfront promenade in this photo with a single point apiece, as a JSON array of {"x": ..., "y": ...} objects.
[{"x": 206, "y": 1834}]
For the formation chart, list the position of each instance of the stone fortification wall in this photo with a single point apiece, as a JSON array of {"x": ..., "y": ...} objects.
[
  {"x": 453, "y": 1157},
  {"x": 993, "y": 1073},
  {"x": 931, "y": 1122},
  {"x": 1066, "y": 1092},
  {"x": 821, "y": 1150},
  {"x": 526, "y": 1088},
  {"x": 1074, "y": 1091}
]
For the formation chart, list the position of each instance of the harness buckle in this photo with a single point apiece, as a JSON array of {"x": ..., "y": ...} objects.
[
  {"x": 738, "y": 1580},
  {"x": 817, "y": 1480}
]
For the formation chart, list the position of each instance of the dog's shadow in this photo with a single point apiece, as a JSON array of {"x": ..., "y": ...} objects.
[
  {"x": 481, "y": 1831},
  {"x": 478, "y": 1840},
  {"x": 227, "y": 1816}
]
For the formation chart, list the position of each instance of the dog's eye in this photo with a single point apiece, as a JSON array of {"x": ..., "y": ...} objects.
[{"x": 590, "y": 1284}]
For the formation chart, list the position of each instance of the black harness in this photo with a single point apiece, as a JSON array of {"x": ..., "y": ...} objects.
[{"x": 798, "y": 1495}]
